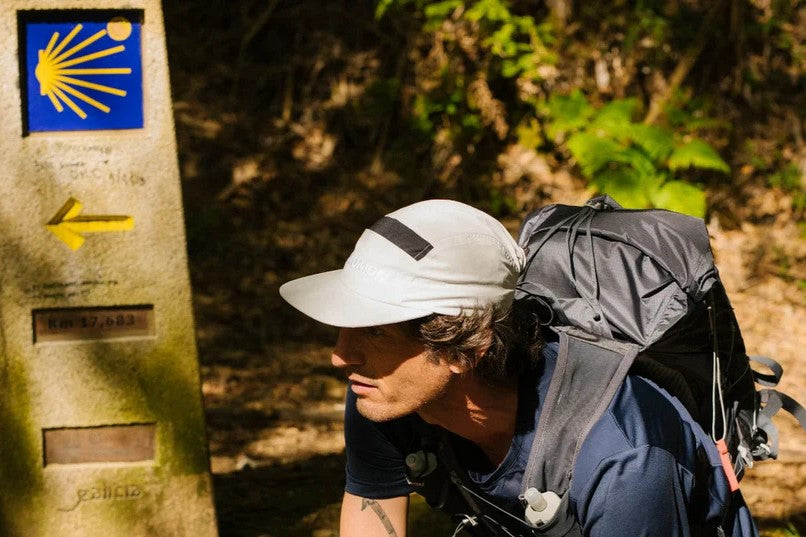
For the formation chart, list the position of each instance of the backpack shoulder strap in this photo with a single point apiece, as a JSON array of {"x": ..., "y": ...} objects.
[{"x": 588, "y": 373}]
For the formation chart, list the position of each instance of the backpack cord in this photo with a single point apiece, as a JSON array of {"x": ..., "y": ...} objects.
[
  {"x": 716, "y": 387},
  {"x": 585, "y": 218},
  {"x": 467, "y": 520},
  {"x": 550, "y": 233},
  {"x": 573, "y": 222},
  {"x": 491, "y": 504},
  {"x": 716, "y": 384},
  {"x": 593, "y": 259},
  {"x": 455, "y": 473}
]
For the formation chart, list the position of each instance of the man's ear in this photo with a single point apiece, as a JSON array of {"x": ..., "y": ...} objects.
[
  {"x": 459, "y": 368},
  {"x": 480, "y": 352},
  {"x": 465, "y": 366}
]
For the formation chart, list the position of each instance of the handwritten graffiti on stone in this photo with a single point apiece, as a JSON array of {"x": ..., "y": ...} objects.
[
  {"x": 68, "y": 289},
  {"x": 78, "y": 171},
  {"x": 106, "y": 492}
]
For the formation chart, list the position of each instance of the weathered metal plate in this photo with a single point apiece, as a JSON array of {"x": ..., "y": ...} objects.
[
  {"x": 76, "y": 324},
  {"x": 111, "y": 443}
]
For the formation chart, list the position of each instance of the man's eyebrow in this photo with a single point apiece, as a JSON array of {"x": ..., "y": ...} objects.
[{"x": 402, "y": 236}]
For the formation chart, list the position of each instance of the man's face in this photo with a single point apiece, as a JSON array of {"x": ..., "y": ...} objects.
[{"x": 391, "y": 372}]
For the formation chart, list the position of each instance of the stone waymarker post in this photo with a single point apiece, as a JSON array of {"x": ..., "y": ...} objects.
[{"x": 101, "y": 424}]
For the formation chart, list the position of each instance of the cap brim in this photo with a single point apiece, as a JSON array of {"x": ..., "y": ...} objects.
[{"x": 326, "y": 299}]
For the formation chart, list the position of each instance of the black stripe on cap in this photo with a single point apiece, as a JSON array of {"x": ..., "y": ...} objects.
[{"x": 402, "y": 236}]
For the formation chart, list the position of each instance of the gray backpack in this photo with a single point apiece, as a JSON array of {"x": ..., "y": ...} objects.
[
  {"x": 637, "y": 291},
  {"x": 627, "y": 291}
]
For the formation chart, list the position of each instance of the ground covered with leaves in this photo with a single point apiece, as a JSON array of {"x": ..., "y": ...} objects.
[{"x": 300, "y": 123}]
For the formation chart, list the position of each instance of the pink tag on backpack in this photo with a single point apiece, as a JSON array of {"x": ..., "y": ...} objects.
[{"x": 727, "y": 466}]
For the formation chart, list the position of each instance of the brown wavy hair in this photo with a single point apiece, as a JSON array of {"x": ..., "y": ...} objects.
[{"x": 511, "y": 337}]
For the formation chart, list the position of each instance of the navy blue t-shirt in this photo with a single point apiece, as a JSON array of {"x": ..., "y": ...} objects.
[{"x": 645, "y": 469}]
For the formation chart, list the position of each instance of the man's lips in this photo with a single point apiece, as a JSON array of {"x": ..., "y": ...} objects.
[
  {"x": 359, "y": 386},
  {"x": 358, "y": 379}
]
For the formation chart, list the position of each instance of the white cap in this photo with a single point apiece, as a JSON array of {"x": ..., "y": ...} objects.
[{"x": 435, "y": 256}]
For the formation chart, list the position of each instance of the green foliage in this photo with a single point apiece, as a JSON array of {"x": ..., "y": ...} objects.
[
  {"x": 518, "y": 42},
  {"x": 483, "y": 49},
  {"x": 649, "y": 24},
  {"x": 789, "y": 179},
  {"x": 697, "y": 154},
  {"x": 681, "y": 197},
  {"x": 656, "y": 142},
  {"x": 593, "y": 151},
  {"x": 529, "y": 133},
  {"x": 790, "y": 531},
  {"x": 567, "y": 113},
  {"x": 438, "y": 11},
  {"x": 500, "y": 47},
  {"x": 633, "y": 162},
  {"x": 500, "y": 204}
]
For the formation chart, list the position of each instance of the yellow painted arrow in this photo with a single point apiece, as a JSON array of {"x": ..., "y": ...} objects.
[{"x": 68, "y": 226}]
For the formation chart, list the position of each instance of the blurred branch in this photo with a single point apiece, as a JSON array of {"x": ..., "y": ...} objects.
[
  {"x": 400, "y": 70},
  {"x": 260, "y": 23},
  {"x": 685, "y": 64}
]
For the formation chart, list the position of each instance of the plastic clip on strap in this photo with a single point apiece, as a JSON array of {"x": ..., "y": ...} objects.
[
  {"x": 420, "y": 464},
  {"x": 541, "y": 508}
]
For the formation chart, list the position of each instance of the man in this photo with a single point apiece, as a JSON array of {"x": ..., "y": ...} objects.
[{"x": 430, "y": 340}]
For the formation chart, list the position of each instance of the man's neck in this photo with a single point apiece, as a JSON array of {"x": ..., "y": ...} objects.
[{"x": 475, "y": 410}]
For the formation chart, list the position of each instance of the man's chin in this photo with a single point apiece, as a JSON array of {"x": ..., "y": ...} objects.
[{"x": 378, "y": 412}]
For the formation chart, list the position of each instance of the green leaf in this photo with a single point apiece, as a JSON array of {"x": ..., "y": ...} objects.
[
  {"x": 441, "y": 10},
  {"x": 627, "y": 186},
  {"x": 680, "y": 197},
  {"x": 619, "y": 112},
  {"x": 656, "y": 142},
  {"x": 529, "y": 134},
  {"x": 381, "y": 8},
  {"x": 511, "y": 68},
  {"x": 471, "y": 122},
  {"x": 697, "y": 154},
  {"x": 525, "y": 24},
  {"x": 636, "y": 159},
  {"x": 492, "y": 10},
  {"x": 707, "y": 123},
  {"x": 614, "y": 119},
  {"x": 503, "y": 42},
  {"x": 567, "y": 113},
  {"x": 592, "y": 152}
]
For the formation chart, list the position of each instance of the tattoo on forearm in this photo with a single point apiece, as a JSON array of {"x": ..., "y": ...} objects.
[{"x": 390, "y": 530}]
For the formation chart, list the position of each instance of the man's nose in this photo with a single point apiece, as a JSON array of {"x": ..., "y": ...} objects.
[{"x": 347, "y": 352}]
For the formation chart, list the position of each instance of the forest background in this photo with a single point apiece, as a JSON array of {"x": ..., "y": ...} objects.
[{"x": 300, "y": 123}]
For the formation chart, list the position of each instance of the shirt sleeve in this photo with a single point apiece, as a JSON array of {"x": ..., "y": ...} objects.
[
  {"x": 375, "y": 454},
  {"x": 638, "y": 493},
  {"x": 647, "y": 469}
]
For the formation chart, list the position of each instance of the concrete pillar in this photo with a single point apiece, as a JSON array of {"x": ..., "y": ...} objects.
[{"x": 101, "y": 423}]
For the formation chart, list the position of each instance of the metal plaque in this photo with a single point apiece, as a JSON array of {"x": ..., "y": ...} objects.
[
  {"x": 112, "y": 443},
  {"x": 76, "y": 324}
]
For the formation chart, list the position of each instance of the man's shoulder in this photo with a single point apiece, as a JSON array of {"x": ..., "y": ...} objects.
[{"x": 641, "y": 419}]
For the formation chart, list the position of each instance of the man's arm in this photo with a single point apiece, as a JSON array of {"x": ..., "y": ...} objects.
[{"x": 362, "y": 517}]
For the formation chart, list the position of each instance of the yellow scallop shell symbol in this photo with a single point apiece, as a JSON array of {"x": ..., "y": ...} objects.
[{"x": 61, "y": 73}]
